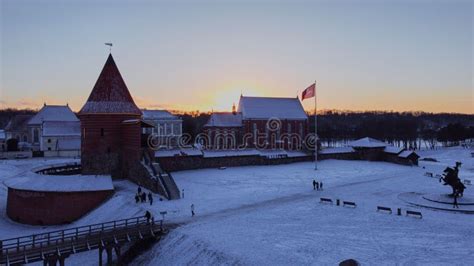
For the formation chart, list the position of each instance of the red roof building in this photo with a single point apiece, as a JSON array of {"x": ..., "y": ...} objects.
[
  {"x": 110, "y": 126},
  {"x": 259, "y": 122}
]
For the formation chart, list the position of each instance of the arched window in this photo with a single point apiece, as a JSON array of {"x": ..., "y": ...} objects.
[{"x": 101, "y": 132}]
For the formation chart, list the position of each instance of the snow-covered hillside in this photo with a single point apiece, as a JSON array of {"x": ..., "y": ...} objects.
[{"x": 271, "y": 215}]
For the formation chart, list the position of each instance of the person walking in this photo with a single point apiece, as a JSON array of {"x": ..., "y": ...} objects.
[
  {"x": 150, "y": 198},
  {"x": 317, "y": 185},
  {"x": 192, "y": 210},
  {"x": 139, "y": 190},
  {"x": 314, "y": 184},
  {"x": 137, "y": 198},
  {"x": 321, "y": 185},
  {"x": 143, "y": 197},
  {"x": 147, "y": 216},
  {"x": 455, "y": 203},
  {"x": 182, "y": 193}
]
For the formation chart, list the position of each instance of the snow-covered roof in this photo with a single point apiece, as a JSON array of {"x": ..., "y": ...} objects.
[
  {"x": 268, "y": 107},
  {"x": 53, "y": 113},
  {"x": 178, "y": 152},
  {"x": 56, "y": 128},
  {"x": 367, "y": 143},
  {"x": 336, "y": 150},
  {"x": 270, "y": 153},
  {"x": 230, "y": 153},
  {"x": 130, "y": 121},
  {"x": 406, "y": 154},
  {"x": 69, "y": 144},
  {"x": 56, "y": 183},
  {"x": 110, "y": 94},
  {"x": 224, "y": 120},
  {"x": 393, "y": 149},
  {"x": 158, "y": 115}
]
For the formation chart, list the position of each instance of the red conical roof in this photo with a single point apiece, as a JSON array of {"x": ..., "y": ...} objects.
[{"x": 110, "y": 94}]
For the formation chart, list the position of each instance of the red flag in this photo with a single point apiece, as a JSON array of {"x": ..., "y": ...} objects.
[{"x": 309, "y": 92}]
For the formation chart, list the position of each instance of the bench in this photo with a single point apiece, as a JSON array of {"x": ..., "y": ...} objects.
[
  {"x": 414, "y": 213},
  {"x": 325, "y": 200},
  {"x": 349, "y": 203},
  {"x": 467, "y": 182},
  {"x": 429, "y": 174},
  {"x": 387, "y": 209}
]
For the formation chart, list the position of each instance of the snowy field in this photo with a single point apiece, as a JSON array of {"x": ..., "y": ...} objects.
[{"x": 270, "y": 215}]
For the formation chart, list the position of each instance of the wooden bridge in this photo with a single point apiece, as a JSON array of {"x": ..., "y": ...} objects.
[{"x": 54, "y": 247}]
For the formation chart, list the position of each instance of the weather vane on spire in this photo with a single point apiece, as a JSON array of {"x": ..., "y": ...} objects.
[{"x": 109, "y": 44}]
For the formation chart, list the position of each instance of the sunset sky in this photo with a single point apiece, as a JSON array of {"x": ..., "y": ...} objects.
[{"x": 201, "y": 55}]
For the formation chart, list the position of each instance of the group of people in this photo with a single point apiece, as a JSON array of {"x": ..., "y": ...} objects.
[
  {"x": 141, "y": 196},
  {"x": 317, "y": 185}
]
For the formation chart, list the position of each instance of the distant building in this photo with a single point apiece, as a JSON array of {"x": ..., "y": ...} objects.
[
  {"x": 224, "y": 130},
  {"x": 55, "y": 128},
  {"x": 167, "y": 128},
  {"x": 372, "y": 150},
  {"x": 17, "y": 128},
  {"x": 260, "y": 122}
]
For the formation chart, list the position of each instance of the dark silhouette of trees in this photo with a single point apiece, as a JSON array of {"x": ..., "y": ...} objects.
[
  {"x": 410, "y": 130},
  {"x": 452, "y": 134},
  {"x": 404, "y": 129}
]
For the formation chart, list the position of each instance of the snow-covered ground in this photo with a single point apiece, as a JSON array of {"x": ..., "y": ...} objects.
[{"x": 271, "y": 215}]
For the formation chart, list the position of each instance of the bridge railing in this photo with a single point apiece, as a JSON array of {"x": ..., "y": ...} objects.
[{"x": 23, "y": 243}]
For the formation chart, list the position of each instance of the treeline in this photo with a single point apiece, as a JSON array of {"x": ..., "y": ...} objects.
[
  {"x": 408, "y": 129},
  {"x": 7, "y": 114}
]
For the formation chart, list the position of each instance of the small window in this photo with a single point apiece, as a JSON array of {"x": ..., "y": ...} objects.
[
  {"x": 49, "y": 140},
  {"x": 35, "y": 135},
  {"x": 49, "y": 148},
  {"x": 101, "y": 132}
]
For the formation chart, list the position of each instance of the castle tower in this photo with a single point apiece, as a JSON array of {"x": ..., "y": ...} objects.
[{"x": 110, "y": 126}]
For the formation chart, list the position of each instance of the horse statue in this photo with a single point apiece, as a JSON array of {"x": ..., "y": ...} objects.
[{"x": 451, "y": 178}]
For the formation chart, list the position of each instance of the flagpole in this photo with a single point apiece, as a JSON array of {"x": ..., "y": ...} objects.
[{"x": 315, "y": 130}]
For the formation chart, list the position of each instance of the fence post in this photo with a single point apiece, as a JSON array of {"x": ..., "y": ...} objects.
[
  {"x": 399, "y": 211},
  {"x": 1, "y": 248}
]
